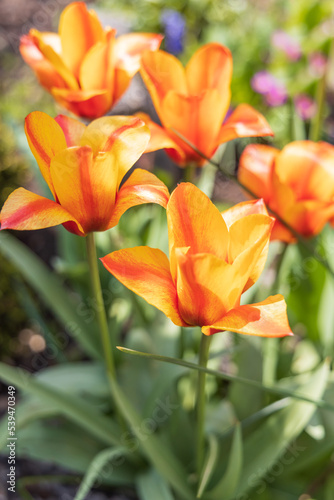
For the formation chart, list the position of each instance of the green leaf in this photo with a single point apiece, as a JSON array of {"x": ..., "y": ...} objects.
[
  {"x": 209, "y": 464},
  {"x": 70, "y": 405},
  {"x": 227, "y": 485},
  {"x": 274, "y": 390},
  {"x": 156, "y": 451},
  {"x": 68, "y": 446},
  {"x": 264, "y": 446},
  {"x": 95, "y": 469},
  {"x": 51, "y": 292},
  {"x": 151, "y": 486}
]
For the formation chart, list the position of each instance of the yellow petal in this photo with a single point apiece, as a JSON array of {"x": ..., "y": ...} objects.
[
  {"x": 141, "y": 187},
  {"x": 146, "y": 272},
  {"x": 86, "y": 186},
  {"x": 210, "y": 68},
  {"x": 195, "y": 222},
  {"x": 126, "y": 137},
  {"x": 45, "y": 139},
  {"x": 79, "y": 30},
  {"x": 24, "y": 210},
  {"x": 264, "y": 319}
]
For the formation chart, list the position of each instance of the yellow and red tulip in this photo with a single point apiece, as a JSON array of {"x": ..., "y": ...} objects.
[
  {"x": 83, "y": 167},
  {"x": 194, "y": 101},
  {"x": 213, "y": 259},
  {"x": 297, "y": 183},
  {"x": 85, "y": 67}
]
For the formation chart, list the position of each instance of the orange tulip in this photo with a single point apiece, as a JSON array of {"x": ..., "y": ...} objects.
[
  {"x": 213, "y": 259},
  {"x": 194, "y": 101},
  {"x": 83, "y": 167},
  {"x": 84, "y": 67},
  {"x": 297, "y": 183}
]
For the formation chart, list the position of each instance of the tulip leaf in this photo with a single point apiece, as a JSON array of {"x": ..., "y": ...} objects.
[
  {"x": 151, "y": 486},
  {"x": 209, "y": 465},
  {"x": 50, "y": 290},
  {"x": 274, "y": 390},
  {"x": 230, "y": 480},
  {"x": 165, "y": 462},
  {"x": 68, "y": 446},
  {"x": 95, "y": 469},
  {"x": 271, "y": 439},
  {"x": 70, "y": 405}
]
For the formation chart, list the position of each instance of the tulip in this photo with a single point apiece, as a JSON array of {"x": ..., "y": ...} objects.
[
  {"x": 297, "y": 183},
  {"x": 83, "y": 167},
  {"x": 85, "y": 67},
  {"x": 194, "y": 101},
  {"x": 213, "y": 259}
]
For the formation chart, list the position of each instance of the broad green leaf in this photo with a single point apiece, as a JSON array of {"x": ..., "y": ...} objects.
[
  {"x": 51, "y": 291},
  {"x": 70, "y": 405},
  {"x": 274, "y": 390},
  {"x": 227, "y": 486},
  {"x": 307, "y": 280},
  {"x": 264, "y": 446},
  {"x": 68, "y": 446},
  {"x": 95, "y": 469},
  {"x": 151, "y": 486},
  {"x": 209, "y": 465},
  {"x": 156, "y": 451}
]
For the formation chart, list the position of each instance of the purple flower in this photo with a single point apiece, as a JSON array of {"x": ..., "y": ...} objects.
[
  {"x": 289, "y": 45},
  {"x": 317, "y": 64},
  {"x": 175, "y": 26},
  {"x": 271, "y": 88},
  {"x": 305, "y": 106}
]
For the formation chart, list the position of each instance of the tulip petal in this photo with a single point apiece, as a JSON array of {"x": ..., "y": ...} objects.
[
  {"x": 308, "y": 168},
  {"x": 86, "y": 185},
  {"x": 245, "y": 233},
  {"x": 242, "y": 209},
  {"x": 210, "y": 68},
  {"x": 45, "y": 71},
  {"x": 245, "y": 121},
  {"x": 146, "y": 272},
  {"x": 125, "y": 136},
  {"x": 85, "y": 103},
  {"x": 159, "y": 138},
  {"x": 130, "y": 47},
  {"x": 79, "y": 30},
  {"x": 141, "y": 187},
  {"x": 198, "y": 118},
  {"x": 256, "y": 167},
  {"x": 264, "y": 319},
  {"x": 203, "y": 285},
  {"x": 54, "y": 58},
  {"x": 195, "y": 222},
  {"x": 73, "y": 129},
  {"x": 162, "y": 73},
  {"x": 24, "y": 210},
  {"x": 97, "y": 68},
  {"x": 46, "y": 139}
]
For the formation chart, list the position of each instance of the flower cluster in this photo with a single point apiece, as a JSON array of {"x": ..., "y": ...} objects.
[{"x": 213, "y": 257}]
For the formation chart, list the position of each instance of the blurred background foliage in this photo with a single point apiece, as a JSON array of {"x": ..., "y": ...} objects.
[{"x": 43, "y": 338}]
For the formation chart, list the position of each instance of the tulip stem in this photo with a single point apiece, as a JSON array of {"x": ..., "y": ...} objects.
[
  {"x": 190, "y": 173},
  {"x": 100, "y": 309},
  {"x": 202, "y": 362}
]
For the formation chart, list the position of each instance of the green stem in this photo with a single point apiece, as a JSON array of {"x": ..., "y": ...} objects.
[
  {"x": 100, "y": 309},
  {"x": 271, "y": 345},
  {"x": 190, "y": 173},
  {"x": 203, "y": 361},
  {"x": 316, "y": 124}
]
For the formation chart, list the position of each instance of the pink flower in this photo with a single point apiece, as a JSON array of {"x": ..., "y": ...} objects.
[
  {"x": 305, "y": 106},
  {"x": 289, "y": 45},
  {"x": 271, "y": 88},
  {"x": 317, "y": 64}
]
